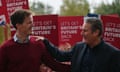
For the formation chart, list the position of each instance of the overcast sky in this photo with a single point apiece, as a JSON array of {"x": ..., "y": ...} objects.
[{"x": 57, "y": 3}]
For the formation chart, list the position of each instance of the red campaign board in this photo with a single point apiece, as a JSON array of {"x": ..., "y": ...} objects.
[
  {"x": 47, "y": 26},
  {"x": 70, "y": 29},
  {"x": 111, "y": 30},
  {"x": 13, "y": 5},
  {"x": 3, "y": 11}
]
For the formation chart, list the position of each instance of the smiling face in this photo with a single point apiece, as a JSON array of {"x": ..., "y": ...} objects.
[
  {"x": 89, "y": 36},
  {"x": 22, "y": 20},
  {"x": 26, "y": 26}
]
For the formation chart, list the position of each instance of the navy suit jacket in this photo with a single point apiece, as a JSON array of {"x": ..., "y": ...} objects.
[{"x": 107, "y": 57}]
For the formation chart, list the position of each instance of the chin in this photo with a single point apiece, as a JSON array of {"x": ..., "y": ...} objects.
[
  {"x": 29, "y": 33},
  {"x": 85, "y": 41}
]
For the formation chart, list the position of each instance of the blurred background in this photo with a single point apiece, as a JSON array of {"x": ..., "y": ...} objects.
[
  {"x": 75, "y": 7},
  {"x": 66, "y": 8}
]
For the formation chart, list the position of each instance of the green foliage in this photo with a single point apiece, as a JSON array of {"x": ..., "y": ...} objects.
[
  {"x": 1, "y": 34},
  {"x": 113, "y": 8},
  {"x": 39, "y": 8},
  {"x": 74, "y": 7}
]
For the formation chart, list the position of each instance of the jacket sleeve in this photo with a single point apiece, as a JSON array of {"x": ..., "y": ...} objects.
[
  {"x": 53, "y": 64},
  {"x": 3, "y": 59},
  {"x": 56, "y": 53}
]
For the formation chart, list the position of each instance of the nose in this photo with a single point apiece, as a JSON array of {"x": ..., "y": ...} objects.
[
  {"x": 31, "y": 24},
  {"x": 82, "y": 32}
]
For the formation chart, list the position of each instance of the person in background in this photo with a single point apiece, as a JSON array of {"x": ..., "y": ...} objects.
[
  {"x": 23, "y": 53},
  {"x": 92, "y": 54}
]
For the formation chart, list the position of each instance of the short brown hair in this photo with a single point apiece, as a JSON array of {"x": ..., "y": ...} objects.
[
  {"x": 96, "y": 24},
  {"x": 19, "y": 16}
]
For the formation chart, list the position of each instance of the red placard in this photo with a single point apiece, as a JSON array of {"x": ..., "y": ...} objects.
[
  {"x": 47, "y": 26},
  {"x": 13, "y": 5},
  {"x": 3, "y": 11},
  {"x": 8, "y": 6},
  {"x": 111, "y": 30},
  {"x": 70, "y": 29}
]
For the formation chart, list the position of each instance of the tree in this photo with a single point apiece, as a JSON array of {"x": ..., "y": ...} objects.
[
  {"x": 39, "y": 8},
  {"x": 113, "y": 8},
  {"x": 74, "y": 7}
]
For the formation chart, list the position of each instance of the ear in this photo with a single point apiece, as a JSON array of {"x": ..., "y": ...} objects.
[
  {"x": 17, "y": 26},
  {"x": 96, "y": 33}
]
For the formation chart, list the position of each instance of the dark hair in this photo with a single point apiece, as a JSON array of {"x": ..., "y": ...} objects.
[
  {"x": 96, "y": 24},
  {"x": 18, "y": 16}
]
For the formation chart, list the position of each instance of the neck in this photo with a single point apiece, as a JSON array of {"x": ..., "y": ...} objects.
[
  {"x": 95, "y": 43},
  {"x": 21, "y": 36}
]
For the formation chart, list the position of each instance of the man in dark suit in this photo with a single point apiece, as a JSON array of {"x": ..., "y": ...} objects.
[{"x": 93, "y": 54}]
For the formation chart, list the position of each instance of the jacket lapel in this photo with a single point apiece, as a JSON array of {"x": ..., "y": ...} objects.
[{"x": 80, "y": 55}]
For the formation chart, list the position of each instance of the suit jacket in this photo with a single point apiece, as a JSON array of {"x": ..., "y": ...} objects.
[{"x": 107, "y": 57}]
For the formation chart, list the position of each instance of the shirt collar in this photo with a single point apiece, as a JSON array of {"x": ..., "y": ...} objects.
[{"x": 16, "y": 39}]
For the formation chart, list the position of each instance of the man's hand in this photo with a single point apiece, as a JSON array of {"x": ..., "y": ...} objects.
[
  {"x": 38, "y": 38},
  {"x": 65, "y": 47}
]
